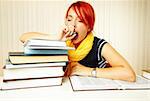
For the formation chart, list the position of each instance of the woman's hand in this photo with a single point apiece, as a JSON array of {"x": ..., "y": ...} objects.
[
  {"x": 78, "y": 69},
  {"x": 67, "y": 33}
]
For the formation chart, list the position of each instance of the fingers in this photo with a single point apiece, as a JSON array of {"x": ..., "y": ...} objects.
[
  {"x": 68, "y": 33},
  {"x": 71, "y": 36}
]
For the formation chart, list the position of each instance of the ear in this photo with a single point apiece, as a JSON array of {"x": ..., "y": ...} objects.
[{"x": 88, "y": 28}]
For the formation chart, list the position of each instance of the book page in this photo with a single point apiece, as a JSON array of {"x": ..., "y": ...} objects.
[
  {"x": 141, "y": 83},
  {"x": 91, "y": 83},
  {"x": 43, "y": 42}
]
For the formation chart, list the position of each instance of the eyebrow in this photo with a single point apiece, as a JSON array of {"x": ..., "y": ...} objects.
[{"x": 70, "y": 16}]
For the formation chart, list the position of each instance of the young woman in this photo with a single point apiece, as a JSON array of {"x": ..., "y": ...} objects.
[{"x": 91, "y": 54}]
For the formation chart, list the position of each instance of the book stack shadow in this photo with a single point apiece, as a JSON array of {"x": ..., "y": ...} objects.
[{"x": 40, "y": 65}]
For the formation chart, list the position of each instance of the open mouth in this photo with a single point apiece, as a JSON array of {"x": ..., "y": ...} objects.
[{"x": 75, "y": 36}]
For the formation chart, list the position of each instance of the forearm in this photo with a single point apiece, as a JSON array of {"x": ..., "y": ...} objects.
[
  {"x": 31, "y": 35},
  {"x": 117, "y": 73}
]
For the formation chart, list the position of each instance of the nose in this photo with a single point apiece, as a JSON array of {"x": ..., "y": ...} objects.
[{"x": 73, "y": 23}]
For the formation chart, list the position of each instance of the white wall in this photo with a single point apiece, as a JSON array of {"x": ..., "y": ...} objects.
[
  {"x": 147, "y": 38},
  {"x": 123, "y": 23}
]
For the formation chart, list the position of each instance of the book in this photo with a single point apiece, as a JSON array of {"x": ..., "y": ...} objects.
[
  {"x": 44, "y": 42},
  {"x": 80, "y": 83},
  {"x": 146, "y": 73},
  {"x": 9, "y": 65},
  {"x": 26, "y": 73},
  {"x": 21, "y": 58},
  {"x": 16, "y": 54},
  {"x": 42, "y": 46},
  {"x": 30, "y": 83},
  {"x": 28, "y": 51},
  {"x": 64, "y": 52},
  {"x": 50, "y": 47}
]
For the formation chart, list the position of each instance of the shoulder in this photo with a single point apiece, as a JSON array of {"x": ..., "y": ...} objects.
[{"x": 99, "y": 42}]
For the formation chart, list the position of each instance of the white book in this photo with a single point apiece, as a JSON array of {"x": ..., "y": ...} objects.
[
  {"x": 24, "y": 73},
  {"x": 44, "y": 42},
  {"x": 146, "y": 74},
  {"x": 50, "y": 47},
  {"x": 80, "y": 83},
  {"x": 31, "y": 83},
  {"x": 9, "y": 65}
]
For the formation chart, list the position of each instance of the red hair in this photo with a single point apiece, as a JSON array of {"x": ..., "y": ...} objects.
[{"x": 85, "y": 12}]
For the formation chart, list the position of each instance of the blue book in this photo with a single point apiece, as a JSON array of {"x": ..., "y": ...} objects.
[{"x": 28, "y": 51}]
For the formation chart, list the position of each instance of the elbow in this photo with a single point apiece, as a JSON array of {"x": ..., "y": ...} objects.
[
  {"x": 21, "y": 39},
  {"x": 25, "y": 36},
  {"x": 130, "y": 75},
  {"x": 127, "y": 74}
]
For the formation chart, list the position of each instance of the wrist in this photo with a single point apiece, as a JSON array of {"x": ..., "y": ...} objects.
[
  {"x": 88, "y": 71},
  {"x": 94, "y": 72}
]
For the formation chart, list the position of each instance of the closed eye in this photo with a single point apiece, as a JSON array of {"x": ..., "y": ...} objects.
[
  {"x": 68, "y": 20},
  {"x": 80, "y": 21}
]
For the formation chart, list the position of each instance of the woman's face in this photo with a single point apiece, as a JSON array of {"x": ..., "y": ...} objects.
[{"x": 81, "y": 29}]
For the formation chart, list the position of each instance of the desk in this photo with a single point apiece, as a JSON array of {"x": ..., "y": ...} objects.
[{"x": 65, "y": 93}]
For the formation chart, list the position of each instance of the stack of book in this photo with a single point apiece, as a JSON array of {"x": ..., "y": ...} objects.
[
  {"x": 146, "y": 73},
  {"x": 41, "y": 64}
]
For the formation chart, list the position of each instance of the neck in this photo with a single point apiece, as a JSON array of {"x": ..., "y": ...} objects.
[{"x": 76, "y": 45}]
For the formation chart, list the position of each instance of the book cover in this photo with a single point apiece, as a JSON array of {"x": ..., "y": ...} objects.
[
  {"x": 16, "y": 54},
  {"x": 21, "y": 58}
]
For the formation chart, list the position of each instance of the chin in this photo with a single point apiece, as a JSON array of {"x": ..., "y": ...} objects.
[{"x": 76, "y": 42}]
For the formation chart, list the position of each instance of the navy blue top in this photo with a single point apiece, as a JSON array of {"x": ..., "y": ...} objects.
[{"x": 94, "y": 58}]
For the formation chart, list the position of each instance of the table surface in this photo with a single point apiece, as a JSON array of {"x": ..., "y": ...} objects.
[{"x": 65, "y": 93}]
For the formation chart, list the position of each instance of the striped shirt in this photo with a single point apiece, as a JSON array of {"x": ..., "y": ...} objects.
[{"x": 94, "y": 58}]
